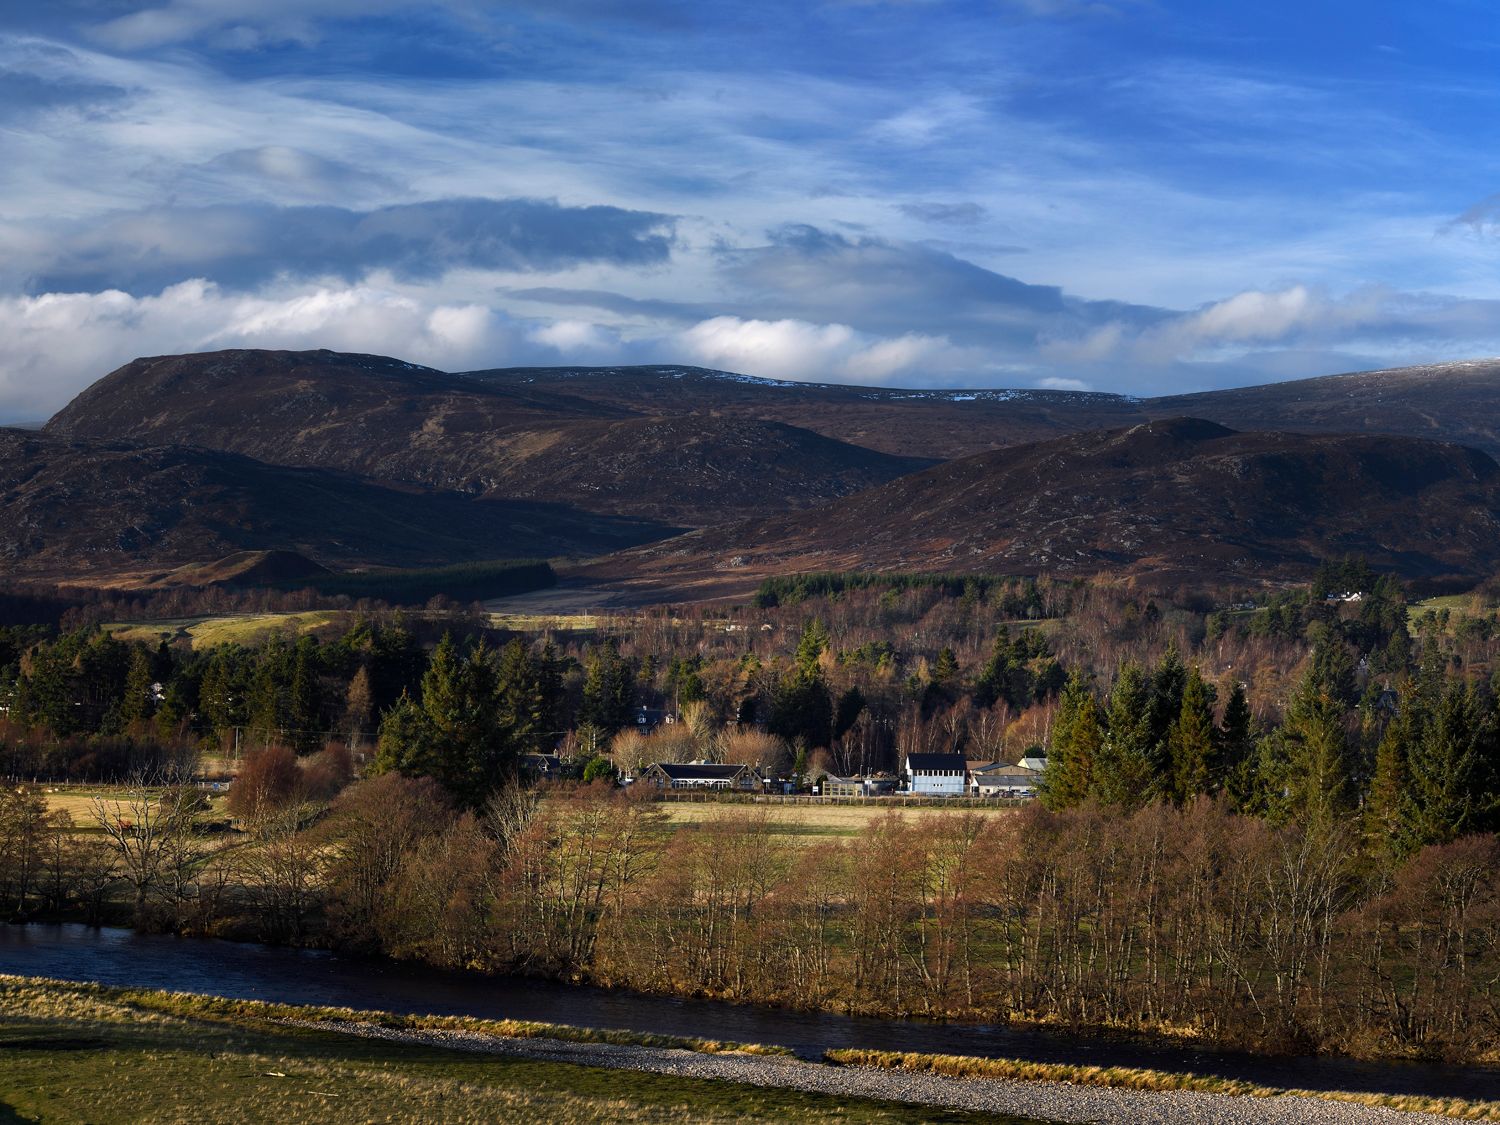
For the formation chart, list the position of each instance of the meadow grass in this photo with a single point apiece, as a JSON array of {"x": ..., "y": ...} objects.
[
  {"x": 240, "y": 628},
  {"x": 808, "y": 822},
  {"x": 76, "y": 1053}
]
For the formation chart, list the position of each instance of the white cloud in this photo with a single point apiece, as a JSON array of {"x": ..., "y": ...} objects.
[
  {"x": 1059, "y": 383},
  {"x": 234, "y": 24},
  {"x": 797, "y": 349},
  {"x": 54, "y": 345},
  {"x": 574, "y": 338}
]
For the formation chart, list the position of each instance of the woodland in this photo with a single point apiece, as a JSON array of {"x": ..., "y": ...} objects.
[{"x": 1267, "y": 821}]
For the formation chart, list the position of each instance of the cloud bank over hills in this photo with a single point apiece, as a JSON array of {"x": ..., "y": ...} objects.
[{"x": 1126, "y": 197}]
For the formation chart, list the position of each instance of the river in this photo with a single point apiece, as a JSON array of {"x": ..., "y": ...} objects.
[{"x": 298, "y": 976}]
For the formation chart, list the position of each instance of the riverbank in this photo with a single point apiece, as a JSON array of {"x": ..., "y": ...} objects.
[
  {"x": 63, "y": 1045},
  {"x": 1050, "y": 1101},
  {"x": 77, "y": 1053},
  {"x": 138, "y": 961}
]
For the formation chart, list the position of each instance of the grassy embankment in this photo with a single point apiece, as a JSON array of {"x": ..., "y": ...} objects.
[
  {"x": 65, "y": 1049},
  {"x": 76, "y": 1053}
]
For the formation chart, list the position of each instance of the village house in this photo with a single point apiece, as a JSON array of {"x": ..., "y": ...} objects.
[
  {"x": 647, "y": 719},
  {"x": 701, "y": 775},
  {"x": 541, "y": 767},
  {"x": 936, "y": 775},
  {"x": 1001, "y": 780}
]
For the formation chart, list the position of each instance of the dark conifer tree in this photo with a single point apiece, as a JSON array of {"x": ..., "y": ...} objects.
[
  {"x": 1126, "y": 772},
  {"x": 1077, "y": 742},
  {"x": 1193, "y": 750}
]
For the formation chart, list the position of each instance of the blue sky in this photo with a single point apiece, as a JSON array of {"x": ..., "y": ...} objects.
[{"x": 1143, "y": 196}]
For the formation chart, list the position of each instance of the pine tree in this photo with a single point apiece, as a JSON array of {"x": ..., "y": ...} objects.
[
  {"x": 471, "y": 755},
  {"x": 304, "y": 707},
  {"x": 945, "y": 668},
  {"x": 266, "y": 706},
  {"x": 1451, "y": 790},
  {"x": 1237, "y": 750},
  {"x": 1168, "y": 679},
  {"x": 1332, "y": 669},
  {"x": 1125, "y": 771},
  {"x": 1304, "y": 766},
  {"x": 1192, "y": 749},
  {"x": 408, "y": 743},
  {"x": 810, "y": 648},
  {"x": 138, "y": 704},
  {"x": 608, "y": 690},
  {"x": 1077, "y": 739},
  {"x": 1385, "y": 804},
  {"x": 522, "y": 710}
]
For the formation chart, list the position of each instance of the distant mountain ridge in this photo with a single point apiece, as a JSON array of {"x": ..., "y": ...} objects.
[
  {"x": 1178, "y": 498},
  {"x": 578, "y": 460},
  {"x": 398, "y": 423}
]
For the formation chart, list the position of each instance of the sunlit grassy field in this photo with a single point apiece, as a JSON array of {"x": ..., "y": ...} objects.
[
  {"x": 79, "y": 803},
  {"x": 78, "y": 1054},
  {"x": 811, "y": 822},
  {"x": 245, "y": 629}
]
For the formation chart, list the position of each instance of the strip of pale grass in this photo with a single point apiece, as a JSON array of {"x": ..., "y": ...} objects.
[
  {"x": 1131, "y": 1078},
  {"x": 81, "y": 1053},
  {"x": 190, "y": 1005}
]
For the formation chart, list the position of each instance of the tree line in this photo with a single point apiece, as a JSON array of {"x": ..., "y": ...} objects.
[{"x": 1188, "y": 919}]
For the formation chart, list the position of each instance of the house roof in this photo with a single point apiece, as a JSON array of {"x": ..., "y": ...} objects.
[
  {"x": 1008, "y": 773},
  {"x": 931, "y": 763},
  {"x": 702, "y": 771}
]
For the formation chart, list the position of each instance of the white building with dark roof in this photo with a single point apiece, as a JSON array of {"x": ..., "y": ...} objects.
[{"x": 936, "y": 775}]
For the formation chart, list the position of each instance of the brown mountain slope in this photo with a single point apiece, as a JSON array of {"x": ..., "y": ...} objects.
[
  {"x": 390, "y": 421},
  {"x": 935, "y": 424},
  {"x": 378, "y": 417},
  {"x": 1445, "y": 401},
  {"x": 692, "y": 470},
  {"x": 1182, "y": 497},
  {"x": 75, "y": 508}
]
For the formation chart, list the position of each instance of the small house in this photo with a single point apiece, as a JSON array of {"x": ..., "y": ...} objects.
[
  {"x": 936, "y": 775},
  {"x": 541, "y": 767},
  {"x": 647, "y": 719},
  {"x": 1001, "y": 780}
]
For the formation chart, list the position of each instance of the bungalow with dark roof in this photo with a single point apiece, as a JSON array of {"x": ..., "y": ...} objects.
[
  {"x": 701, "y": 775},
  {"x": 1001, "y": 780}
]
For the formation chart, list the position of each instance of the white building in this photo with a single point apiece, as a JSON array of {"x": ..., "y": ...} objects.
[{"x": 936, "y": 775}]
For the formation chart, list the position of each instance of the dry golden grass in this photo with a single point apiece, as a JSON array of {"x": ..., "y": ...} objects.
[
  {"x": 809, "y": 821},
  {"x": 245, "y": 629},
  {"x": 79, "y": 803},
  {"x": 84, "y": 1053}
]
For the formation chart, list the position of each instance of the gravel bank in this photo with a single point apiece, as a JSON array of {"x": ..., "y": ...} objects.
[{"x": 1047, "y": 1101}]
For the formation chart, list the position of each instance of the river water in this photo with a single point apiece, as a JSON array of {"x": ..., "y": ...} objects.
[{"x": 242, "y": 970}]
